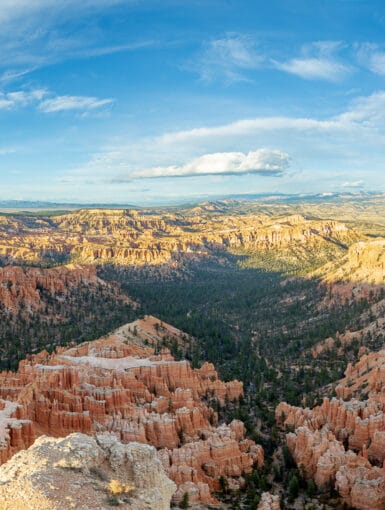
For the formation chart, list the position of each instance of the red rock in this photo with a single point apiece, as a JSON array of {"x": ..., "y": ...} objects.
[
  {"x": 343, "y": 441},
  {"x": 114, "y": 385}
]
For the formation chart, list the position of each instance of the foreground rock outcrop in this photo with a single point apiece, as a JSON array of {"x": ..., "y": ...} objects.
[
  {"x": 118, "y": 384},
  {"x": 80, "y": 472},
  {"x": 341, "y": 443}
]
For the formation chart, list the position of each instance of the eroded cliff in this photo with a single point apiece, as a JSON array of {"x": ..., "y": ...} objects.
[
  {"x": 118, "y": 384},
  {"x": 341, "y": 443}
]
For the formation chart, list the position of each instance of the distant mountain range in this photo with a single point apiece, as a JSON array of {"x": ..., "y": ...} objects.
[{"x": 265, "y": 197}]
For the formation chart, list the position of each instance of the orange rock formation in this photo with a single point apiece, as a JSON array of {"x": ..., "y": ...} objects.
[
  {"x": 342, "y": 441},
  {"x": 118, "y": 385},
  {"x": 130, "y": 237},
  {"x": 25, "y": 284}
]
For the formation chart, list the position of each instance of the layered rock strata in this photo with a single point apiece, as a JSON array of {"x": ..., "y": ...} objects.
[
  {"x": 24, "y": 286},
  {"x": 130, "y": 237},
  {"x": 341, "y": 443},
  {"x": 120, "y": 386}
]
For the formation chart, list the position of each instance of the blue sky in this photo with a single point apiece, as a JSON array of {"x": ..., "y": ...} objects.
[{"x": 149, "y": 101}]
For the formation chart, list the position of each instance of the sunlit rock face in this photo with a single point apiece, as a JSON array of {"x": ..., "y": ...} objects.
[
  {"x": 81, "y": 472},
  {"x": 138, "y": 238},
  {"x": 342, "y": 441},
  {"x": 364, "y": 262},
  {"x": 118, "y": 384}
]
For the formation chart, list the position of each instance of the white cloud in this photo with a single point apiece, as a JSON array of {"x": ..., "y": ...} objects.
[
  {"x": 44, "y": 101},
  {"x": 370, "y": 56},
  {"x": 317, "y": 62},
  {"x": 377, "y": 63},
  {"x": 353, "y": 184},
  {"x": 261, "y": 161},
  {"x": 11, "y": 10},
  {"x": 363, "y": 112},
  {"x": 314, "y": 68},
  {"x": 11, "y": 100},
  {"x": 249, "y": 126},
  {"x": 367, "y": 110},
  {"x": 228, "y": 59},
  {"x": 35, "y": 33},
  {"x": 62, "y": 103},
  {"x": 351, "y": 144}
]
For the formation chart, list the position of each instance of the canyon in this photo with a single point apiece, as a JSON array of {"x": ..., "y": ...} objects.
[
  {"x": 342, "y": 441},
  {"x": 277, "y": 298},
  {"x": 117, "y": 384},
  {"x": 132, "y": 237}
]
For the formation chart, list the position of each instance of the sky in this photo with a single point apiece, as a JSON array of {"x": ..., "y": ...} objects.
[{"x": 160, "y": 101}]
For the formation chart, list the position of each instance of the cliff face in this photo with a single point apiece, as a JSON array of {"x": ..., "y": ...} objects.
[
  {"x": 364, "y": 262},
  {"x": 343, "y": 440},
  {"x": 126, "y": 237},
  {"x": 80, "y": 472},
  {"x": 117, "y": 384},
  {"x": 24, "y": 286}
]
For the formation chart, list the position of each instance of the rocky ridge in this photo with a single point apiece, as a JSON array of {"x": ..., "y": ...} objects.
[
  {"x": 80, "y": 472},
  {"x": 118, "y": 385}
]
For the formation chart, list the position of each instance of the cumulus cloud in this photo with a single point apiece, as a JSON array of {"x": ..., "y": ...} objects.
[
  {"x": 228, "y": 58},
  {"x": 261, "y": 161},
  {"x": 318, "y": 61},
  {"x": 351, "y": 140}
]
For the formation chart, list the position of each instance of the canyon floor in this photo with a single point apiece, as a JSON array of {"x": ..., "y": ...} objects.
[{"x": 246, "y": 348}]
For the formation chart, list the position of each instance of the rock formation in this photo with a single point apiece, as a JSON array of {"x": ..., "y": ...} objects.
[
  {"x": 342, "y": 441},
  {"x": 24, "y": 286},
  {"x": 118, "y": 384},
  {"x": 269, "y": 502},
  {"x": 80, "y": 472},
  {"x": 138, "y": 238},
  {"x": 364, "y": 262}
]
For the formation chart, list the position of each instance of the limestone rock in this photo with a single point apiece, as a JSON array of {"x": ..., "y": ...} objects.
[{"x": 75, "y": 472}]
